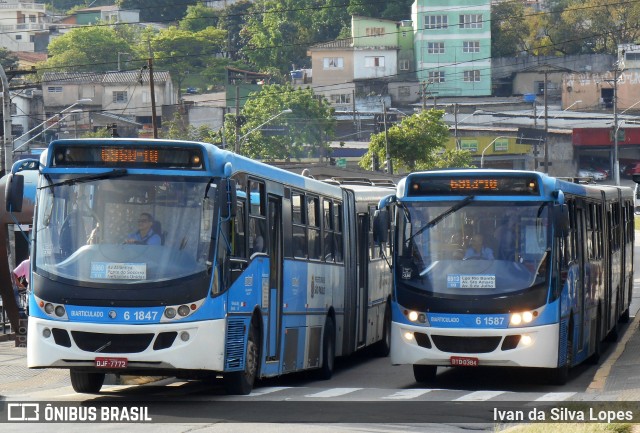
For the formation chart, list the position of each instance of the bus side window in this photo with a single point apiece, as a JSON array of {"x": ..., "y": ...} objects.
[
  {"x": 298, "y": 218},
  {"x": 239, "y": 244},
  {"x": 313, "y": 208}
]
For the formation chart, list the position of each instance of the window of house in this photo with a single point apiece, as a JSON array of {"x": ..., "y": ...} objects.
[
  {"x": 119, "y": 96},
  {"x": 32, "y": 18},
  {"x": 404, "y": 65},
  {"x": 343, "y": 98},
  {"x": 435, "y": 22},
  {"x": 471, "y": 21},
  {"x": 436, "y": 77},
  {"x": 374, "y": 31},
  {"x": 54, "y": 89},
  {"x": 471, "y": 46},
  {"x": 435, "y": 47},
  {"x": 333, "y": 62},
  {"x": 18, "y": 37},
  {"x": 145, "y": 96},
  {"x": 468, "y": 144},
  {"x": 501, "y": 145},
  {"x": 472, "y": 76},
  {"x": 374, "y": 62},
  {"x": 32, "y": 38}
]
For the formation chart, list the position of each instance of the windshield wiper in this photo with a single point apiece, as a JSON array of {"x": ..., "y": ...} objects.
[
  {"x": 119, "y": 172},
  {"x": 456, "y": 207}
]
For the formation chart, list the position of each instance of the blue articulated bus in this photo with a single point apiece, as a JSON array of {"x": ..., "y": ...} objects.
[
  {"x": 506, "y": 268},
  {"x": 177, "y": 258}
]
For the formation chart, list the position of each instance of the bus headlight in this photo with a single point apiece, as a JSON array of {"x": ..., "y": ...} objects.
[
  {"x": 414, "y": 316},
  {"x": 526, "y": 340},
  {"x": 177, "y": 312},
  {"x": 523, "y": 318}
]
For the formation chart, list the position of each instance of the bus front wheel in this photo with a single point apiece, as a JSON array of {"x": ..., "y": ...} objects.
[
  {"x": 86, "y": 383},
  {"x": 241, "y": 382},
  {"x": 384, "y": 345},
  {"x": 424, "y": 373}
]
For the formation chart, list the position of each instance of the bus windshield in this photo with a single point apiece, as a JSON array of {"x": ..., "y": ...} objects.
[
  {"x": 478, "y": 248},
  {"x": 119, "y": 229}
]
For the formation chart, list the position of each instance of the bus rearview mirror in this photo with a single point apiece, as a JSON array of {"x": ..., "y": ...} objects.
[{"x": 14, "y": 193}]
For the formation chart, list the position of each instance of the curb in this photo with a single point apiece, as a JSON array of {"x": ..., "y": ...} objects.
[{"x": 600, "y": 378}]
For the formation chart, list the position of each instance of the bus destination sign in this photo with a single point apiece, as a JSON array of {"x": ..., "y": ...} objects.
[
  {"x": 133, "y": 156},
  {"x": 459, "y": 185}
]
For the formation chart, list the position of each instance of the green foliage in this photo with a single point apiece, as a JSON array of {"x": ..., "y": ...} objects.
[
  {"x": 179, "y": 129},
  {"x": 199, "y": 17},
  {"x": 310, "y": 124},
  {"x": 99, "y": 133},
  {"x": 182, "y": 52},
  {"x": 8, "y": 59},
  {"x": 89, "y": 48},
  {"x": 414, "y": 142},
  {"x": 508, "y": 29},
  {"x": 159, "y": 11}
]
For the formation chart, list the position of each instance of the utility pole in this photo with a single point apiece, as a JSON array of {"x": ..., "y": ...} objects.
[
  {"x": 152, "y": 89},
  {"x": 237, "y": 120},
  {"x": 7, "y": 147},
  {"x": 616, "y": 163},
  {"x": 546, "y": 124},
  {"x": 386, "y": 137},
  {"x": 455, "y": 127}
]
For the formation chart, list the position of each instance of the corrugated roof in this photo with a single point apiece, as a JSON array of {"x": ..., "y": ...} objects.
[
  {"x": 339, "y": 43},
  {"x": 71, "y": 77},
  {"x": 125, "y": 77}
]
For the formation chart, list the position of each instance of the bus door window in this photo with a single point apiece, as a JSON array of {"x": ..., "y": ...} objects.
[
  {"x": 257, "y": 217},
  {"x": 328, "y": 224},
  {"x": 299, "y": 220},
  {"x": 313, "y": 217},
  {"x": 338, "y": 237}
]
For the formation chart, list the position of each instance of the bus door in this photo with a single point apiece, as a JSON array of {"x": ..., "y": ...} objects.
[
  {"x": 363, "y": 283},
  {"x": 275, "y": 276},
  {"x": 583, "y": 278}
]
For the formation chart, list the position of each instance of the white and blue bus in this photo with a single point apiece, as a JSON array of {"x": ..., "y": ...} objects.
[
  {"x": 180, "y": 259},
  {"x": 506, "y": 268}
]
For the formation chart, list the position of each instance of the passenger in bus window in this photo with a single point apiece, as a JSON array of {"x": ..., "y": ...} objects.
[
  {"x": 145, "y": 235},
  {"x": 477, "y": 249}
]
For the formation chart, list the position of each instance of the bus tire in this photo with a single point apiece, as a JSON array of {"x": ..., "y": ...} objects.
[
  {"x": 241, "y": 382},
  {"x": 560, "y": 375},
  {"x": 328, "y": 351},
  {"x": 597, "y": 350},
  {"x": 383, "y": 347},
  {"x": 86, "y": 383},
  {"x": 424, "y": 373}
]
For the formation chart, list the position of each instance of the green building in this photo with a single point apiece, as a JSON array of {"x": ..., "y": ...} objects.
[{"x": 453, "y": 46}]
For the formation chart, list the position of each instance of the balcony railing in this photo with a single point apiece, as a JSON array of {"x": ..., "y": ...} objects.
[{"x": 23, "y": 6}]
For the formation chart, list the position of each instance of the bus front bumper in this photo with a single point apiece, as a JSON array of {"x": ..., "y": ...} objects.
[
  {"x": 175, "y": 346},
  {"x": 513, "y": 347}
]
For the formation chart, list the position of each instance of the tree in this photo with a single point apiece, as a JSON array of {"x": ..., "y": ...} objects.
[
  {"x": 603, "y": 23},
  {"x": 8, "y": 59},
  {"x": 414, "y": 142},
  {"x": 179, "y": 129},
  {"x": 310, "y": 124},
  {"x": 280, "y": 35},
  {"x": 89, "y": 48},
  {"x": 508, "y": 29},
  {"x": 199, "y": 17},
  {"x": 182, "y": 52},
  {"x": 159, "y": 11}
]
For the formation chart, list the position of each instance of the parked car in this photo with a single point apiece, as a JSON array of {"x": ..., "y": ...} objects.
[
  {"x": 589, "y": 172},
  {"x": 631, "y": 169},
  {"x": 192, "y": 90}
]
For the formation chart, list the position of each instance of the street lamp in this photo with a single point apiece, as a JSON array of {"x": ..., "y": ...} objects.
[
  {"x": 489, "y": 145},
  {"x": 79, "y": 101},
  {"x": 574, "y": 103},
  {"x": 241, "y": 140},
  {"x": 47, "y": 128}
]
